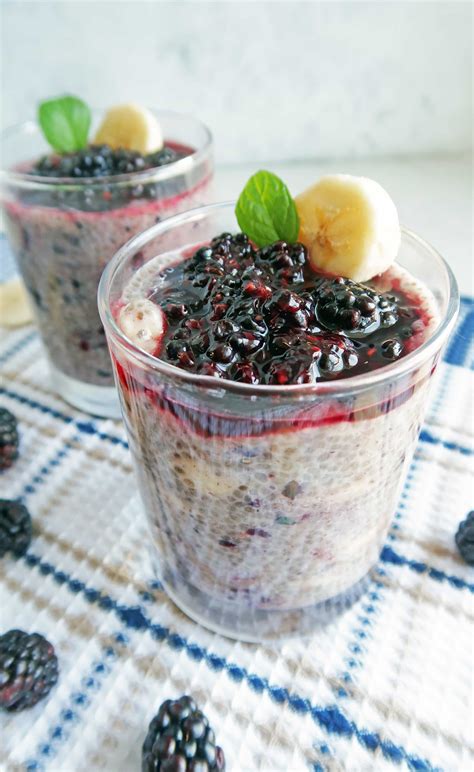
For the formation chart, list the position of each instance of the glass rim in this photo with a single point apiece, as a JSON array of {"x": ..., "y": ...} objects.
[
  {"x": 336, "y": 387},
  {"x": 154, "y": 173}
]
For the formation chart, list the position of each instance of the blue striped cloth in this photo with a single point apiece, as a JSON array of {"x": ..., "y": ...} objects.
[{"x": 387, "y": 685}]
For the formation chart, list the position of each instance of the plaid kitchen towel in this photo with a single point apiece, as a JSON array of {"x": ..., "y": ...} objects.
[{"x": 388, "y": 685}]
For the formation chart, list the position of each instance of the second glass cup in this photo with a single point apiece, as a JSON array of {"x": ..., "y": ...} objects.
[
  {"x": 268, "y": 505},
  {"x": 63, "y": 232}
]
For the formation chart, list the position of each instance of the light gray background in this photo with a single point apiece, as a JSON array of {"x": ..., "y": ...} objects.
[{"x": 274, "y": 80}]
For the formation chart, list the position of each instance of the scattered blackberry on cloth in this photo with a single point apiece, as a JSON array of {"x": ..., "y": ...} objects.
[
  {"x": 8, "y": 438},
  {"x": 15, "y": 527},
  {"x": 465, "y": 538},
  {"x": 179, "y": 739},
  {"x": 28, "y": 669}
]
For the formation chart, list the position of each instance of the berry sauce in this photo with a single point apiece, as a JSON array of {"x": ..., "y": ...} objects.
[{"x": 265, "y": 317}]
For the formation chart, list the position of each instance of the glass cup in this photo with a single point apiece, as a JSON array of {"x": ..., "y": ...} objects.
[
  {"x": 63, "y": 231},
  {"x": 268, "y": 505}
]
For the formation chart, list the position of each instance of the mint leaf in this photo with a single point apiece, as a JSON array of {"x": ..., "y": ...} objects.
[
  {"x": 266, "y": 211},
  {"x": 65, "y": 123}
]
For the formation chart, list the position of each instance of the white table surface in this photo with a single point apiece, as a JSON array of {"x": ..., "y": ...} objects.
[{"x": 433, "y": 196}]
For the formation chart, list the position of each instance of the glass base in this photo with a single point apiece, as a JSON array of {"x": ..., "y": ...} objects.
[
  {"x": 256, "y": 625},
  {"x": 100, "y": 401}
]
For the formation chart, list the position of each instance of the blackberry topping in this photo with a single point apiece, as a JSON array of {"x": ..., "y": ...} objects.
[
  {"x": 15, "y": 528},
  {"x": 465, "y": 539},
  {"x": 102, "y": 161},
  {"x": 262, "y": 316},
  {"x": 28, "y": 669},
  {"x": 8, "y": 438},
  {"x": 97, "y": 165},
  {"x": 179, "y": 739}
]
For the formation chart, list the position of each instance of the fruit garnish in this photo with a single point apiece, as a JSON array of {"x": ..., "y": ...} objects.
[
  {"x": 131, "y": 127},
  {"x": 266, "y": 211},
  {"x": 349, "y": 225},
  {"x": 143, "y": 322},
  {"x": 15, "y": 309},
  {"x": 65, "y": 123}
]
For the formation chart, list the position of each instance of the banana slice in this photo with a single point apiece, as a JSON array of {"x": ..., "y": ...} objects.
[
  {"x": 143, "y": 322},
  {"x": 15, "y": 309},
  {"x": 349, "y": 225},
  {"x": 131, "y": 127}
]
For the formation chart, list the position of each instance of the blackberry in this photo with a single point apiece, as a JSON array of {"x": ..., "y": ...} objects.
[
  {"x": 28, "y": 669},
  {"x": 465, "y": 538},
  {"x": 286, "y": 260},
  {"x": 237, "y": 245},
  {"x": 167, "y": 155},
  {"x": 300, "y": 358},
  {"x": 8, "y": 438},
  {"x": 179, "y": 739},
  {"x": 15, "y": 527},
  {"x": 345, "y": 306}
]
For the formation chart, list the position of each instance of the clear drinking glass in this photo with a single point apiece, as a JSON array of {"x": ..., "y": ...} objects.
[
  {"x": 63, "y": 231},
  {"x": 267, "y": 505}
]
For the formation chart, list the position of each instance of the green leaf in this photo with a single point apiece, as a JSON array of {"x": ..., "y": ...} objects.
[
  {"x": 266, "y": 211},
  {"x": 65, "y": 123}
]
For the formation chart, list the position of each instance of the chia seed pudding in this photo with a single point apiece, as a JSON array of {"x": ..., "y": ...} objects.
[
  {"x": 271, "y": 425},
  {"x": 65, "y": 217}
]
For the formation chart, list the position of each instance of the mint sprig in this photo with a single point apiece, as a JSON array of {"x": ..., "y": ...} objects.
[
  {"x": 266, "y": 211},
  {"x": 65, "y": 123}
]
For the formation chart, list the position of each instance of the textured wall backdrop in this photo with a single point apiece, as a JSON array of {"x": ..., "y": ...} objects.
[{"x": 274, "y": 80}]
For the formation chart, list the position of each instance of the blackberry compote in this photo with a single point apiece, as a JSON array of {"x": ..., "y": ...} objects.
[
  {"x": 269, "y": 484},
  {"x": 264, "y": 317},
  {"x": 67, "y": 214}
]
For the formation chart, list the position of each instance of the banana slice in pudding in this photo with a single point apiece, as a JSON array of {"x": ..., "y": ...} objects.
[
  {"x": 15, "y": 309},
  {"x": 143, "y": 322},
  {"x": 349, "y": 225},
  {"x": 130, "y": 127}
]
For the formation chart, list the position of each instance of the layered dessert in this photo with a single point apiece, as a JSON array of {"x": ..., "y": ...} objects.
[
  {"x": 67, "y": 213},
  {"x": 270, "y": 450}
]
